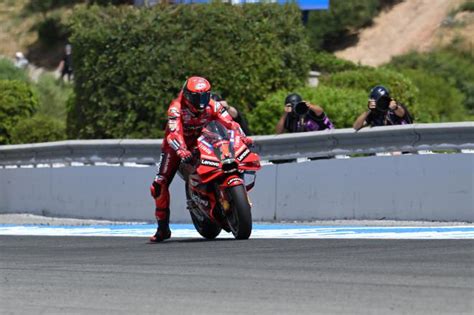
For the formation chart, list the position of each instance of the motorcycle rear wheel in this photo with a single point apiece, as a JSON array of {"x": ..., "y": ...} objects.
[{"x": 240, "y": 217}]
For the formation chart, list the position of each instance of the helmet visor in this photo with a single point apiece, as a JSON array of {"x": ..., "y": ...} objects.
[{"x": 199, "y": 99}]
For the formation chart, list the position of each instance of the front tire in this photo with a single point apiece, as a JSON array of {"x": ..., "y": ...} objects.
[
  {"x": 205, "y": 227},
  {"x": 239, "y": 217}
]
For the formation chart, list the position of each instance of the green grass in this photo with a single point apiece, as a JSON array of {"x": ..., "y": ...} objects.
[{"x": 467, "y": 6}]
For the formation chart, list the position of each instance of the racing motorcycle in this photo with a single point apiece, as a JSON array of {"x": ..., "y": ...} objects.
[{"x": 215, "y": 183}]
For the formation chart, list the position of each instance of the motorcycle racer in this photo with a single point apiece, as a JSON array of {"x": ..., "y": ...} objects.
[{"x": 187, "y": 115}]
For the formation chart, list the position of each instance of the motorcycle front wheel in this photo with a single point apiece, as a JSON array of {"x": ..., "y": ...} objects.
[
  {"x": 203, "y": 225},
  {"x": 239, "y": 217}
]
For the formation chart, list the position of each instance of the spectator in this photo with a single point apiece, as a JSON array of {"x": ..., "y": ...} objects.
[
  {"x": 383, "y": 110},
  {"x": 65, "y": 66},
  {"x": 301, "y": 116},
  {"x": 233, "y": 112},
  {"x": 20, "y": 60}
]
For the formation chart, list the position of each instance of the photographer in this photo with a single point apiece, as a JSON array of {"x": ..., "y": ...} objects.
[
  {"x": 383, "y": 111},
  {"x": 233, "y": 112},
  {"x": 302, "y": 116}
]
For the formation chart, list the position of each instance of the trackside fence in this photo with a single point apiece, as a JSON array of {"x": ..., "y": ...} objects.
[{"x": 407, "y": 138}]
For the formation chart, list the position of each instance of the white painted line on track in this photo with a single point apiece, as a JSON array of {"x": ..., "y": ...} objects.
[{"x": 259, "y": 231}]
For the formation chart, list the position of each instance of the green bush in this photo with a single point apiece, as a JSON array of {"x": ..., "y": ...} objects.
[
  {"x": 467, "y": 6},
  {"x": 73, "y": 117},
  {"x": 328, "y": 63},
  {"x": 8, "y": 71},
  {"x": 53, "y": 96},
  {"x": 132, "y": 63},
  {"x": 38, "y": 128},
  {"x": 400, "y": 87},
  {"x": 438, "y": 100},
  {"x": 342, "y": 106},
  {"x": 17, "y": 102},
  {"x": 455, "y": 67}
]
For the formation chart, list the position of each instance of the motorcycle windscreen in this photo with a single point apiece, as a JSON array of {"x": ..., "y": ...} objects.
[
  {"x": 215, "y": 132},
  {"x": 220, "y": 139}
]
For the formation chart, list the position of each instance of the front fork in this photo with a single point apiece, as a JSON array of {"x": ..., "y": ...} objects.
[{"x": 234, "y": 180}]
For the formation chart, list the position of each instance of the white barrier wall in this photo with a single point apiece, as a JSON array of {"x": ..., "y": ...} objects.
[{"x": 408, "y": 187}]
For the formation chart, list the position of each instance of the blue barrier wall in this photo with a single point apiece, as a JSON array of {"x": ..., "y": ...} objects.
[{"x": 436, "y": 187}]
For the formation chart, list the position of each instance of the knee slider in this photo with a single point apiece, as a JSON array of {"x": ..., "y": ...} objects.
[{"x": 157, "y": 186}]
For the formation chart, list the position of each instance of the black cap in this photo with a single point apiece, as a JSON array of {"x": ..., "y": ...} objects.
[
  {"x": 381, "y": 96},
  {"x": 293, "y": 99},
  {"x": 379, "y": 92}
]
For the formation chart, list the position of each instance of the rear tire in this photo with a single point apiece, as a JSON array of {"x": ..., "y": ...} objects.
[{"x": 240, "y": 216}]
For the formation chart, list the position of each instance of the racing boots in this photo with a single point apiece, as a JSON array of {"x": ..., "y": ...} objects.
[{"x": 163, "y": 232}]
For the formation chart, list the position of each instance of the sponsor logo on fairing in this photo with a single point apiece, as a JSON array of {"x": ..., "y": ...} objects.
[
  {"x": 209, "y": 163},
  {"x": 199, "y": 200},
  {"x": 234, "y": 180},
  {"x": 204, "y": 148},
  {"x": 243, "y": 155}
]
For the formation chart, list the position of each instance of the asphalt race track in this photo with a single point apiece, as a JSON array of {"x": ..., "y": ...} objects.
[{"x": 121, "y": 275}]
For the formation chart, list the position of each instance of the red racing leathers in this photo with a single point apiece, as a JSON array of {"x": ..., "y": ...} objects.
[{"x": 182, "y": 131}]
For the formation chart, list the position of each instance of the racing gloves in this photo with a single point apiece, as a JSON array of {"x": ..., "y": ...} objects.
[
  {"x": 248, "y": 141},
  {"x": 184, "y": 155}
]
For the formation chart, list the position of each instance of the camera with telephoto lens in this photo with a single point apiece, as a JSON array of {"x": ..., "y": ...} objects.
[
  {"x": 383, "y": 104},
  {"x": 300, "y": 109},
  {"x": 381, "y": 96}
]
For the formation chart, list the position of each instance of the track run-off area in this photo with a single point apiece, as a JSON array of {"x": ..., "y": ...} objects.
[
  {"x": 259, "y": 231},
  {"x": 281, "y": 269}
]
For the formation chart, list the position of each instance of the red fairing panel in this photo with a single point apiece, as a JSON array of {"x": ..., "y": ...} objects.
[
  {"x": 209, "y": 168},
  {"x": 231, "y": 181},
  {"x": 247, "y": 159}
]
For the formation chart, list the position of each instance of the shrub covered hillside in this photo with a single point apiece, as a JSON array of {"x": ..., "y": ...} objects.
[
  {"x": 329, "y": 29},
  {"x": 454, "y": 67},
  {"x": 132, "y": 62}
]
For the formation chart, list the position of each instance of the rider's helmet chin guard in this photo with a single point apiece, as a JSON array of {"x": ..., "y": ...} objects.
[{"x": 197, "y": 93}]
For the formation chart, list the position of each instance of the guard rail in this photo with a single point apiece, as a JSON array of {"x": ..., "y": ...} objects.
[{"x": 407, "y": 138}]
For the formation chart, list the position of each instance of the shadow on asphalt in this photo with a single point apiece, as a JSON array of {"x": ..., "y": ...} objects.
[{"x": 191, "y": 240}]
